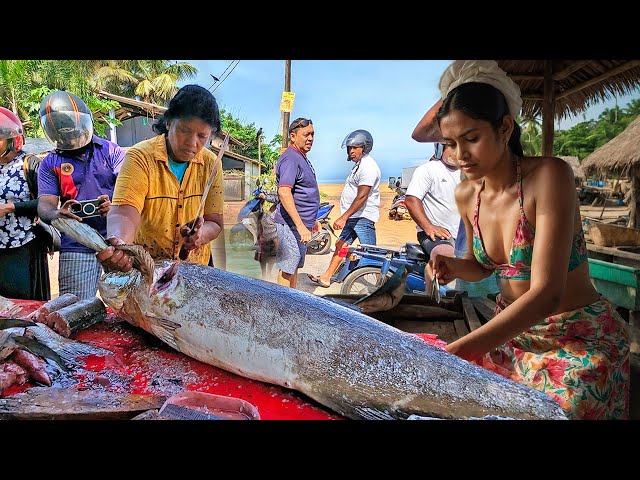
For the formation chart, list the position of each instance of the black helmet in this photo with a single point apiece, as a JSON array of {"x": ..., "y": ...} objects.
[
  {"x": 359, "y": 137},
  {"x": 66, "y": 120}
]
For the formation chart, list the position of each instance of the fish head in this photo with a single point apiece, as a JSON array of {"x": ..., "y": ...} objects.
[{"x": 116, "y": 287}]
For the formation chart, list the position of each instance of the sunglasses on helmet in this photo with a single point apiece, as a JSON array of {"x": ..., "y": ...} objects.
[{"x": 303, "y": 122}]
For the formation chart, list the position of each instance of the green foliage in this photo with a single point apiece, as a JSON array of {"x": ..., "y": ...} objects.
[
  {"x": 247, "y": 134},
  {"x": 582, "y": 139}
]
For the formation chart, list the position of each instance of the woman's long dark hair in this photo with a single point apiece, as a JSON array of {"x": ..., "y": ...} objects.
[
  {"x": 482, "y": 101},
  {"x": 191, "y": 101}
]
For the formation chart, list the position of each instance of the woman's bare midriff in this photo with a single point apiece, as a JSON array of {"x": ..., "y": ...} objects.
[{"x": 578, "y": 293}]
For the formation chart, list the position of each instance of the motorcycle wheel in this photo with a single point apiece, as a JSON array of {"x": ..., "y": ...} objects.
[
  {"x": 320, "y": 246},
  {"x": 241, "y": 239},
  {"x": 363, "y": 281}
]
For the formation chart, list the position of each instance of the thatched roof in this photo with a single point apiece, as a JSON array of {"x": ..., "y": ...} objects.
[
  {"x": 619, "y": 154},
  {"x": 575, "y": 166},
  {"x": 578, "y": 84}
]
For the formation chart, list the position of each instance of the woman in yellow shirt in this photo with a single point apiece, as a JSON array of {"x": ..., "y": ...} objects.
[{"x": 161, "y": 183}]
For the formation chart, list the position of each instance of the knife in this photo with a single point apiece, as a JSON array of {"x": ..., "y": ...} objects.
[{"x": 184, "y": 253}]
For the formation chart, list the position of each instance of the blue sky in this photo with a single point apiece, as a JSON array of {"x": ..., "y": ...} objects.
[{"x": 385, "y": 97}]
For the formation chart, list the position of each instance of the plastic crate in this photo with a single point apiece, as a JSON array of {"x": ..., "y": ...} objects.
[{"x": 618, "y": 283}]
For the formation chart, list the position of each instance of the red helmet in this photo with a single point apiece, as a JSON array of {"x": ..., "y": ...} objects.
[{"x": 11, "y": 128}]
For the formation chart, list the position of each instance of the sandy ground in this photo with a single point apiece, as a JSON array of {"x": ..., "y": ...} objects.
[{"x": 390, "y": 233}]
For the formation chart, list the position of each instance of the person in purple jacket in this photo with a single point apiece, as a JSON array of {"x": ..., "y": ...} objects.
[
  {"x": 299, "y": 195},
  {"x": 81, "y": 166}
]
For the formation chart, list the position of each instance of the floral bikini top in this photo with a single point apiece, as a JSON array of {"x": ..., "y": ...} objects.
[{"x": 520, "y": 256}]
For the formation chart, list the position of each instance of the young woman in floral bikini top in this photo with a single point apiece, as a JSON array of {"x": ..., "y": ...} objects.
[
  {"x": 521, "y": 253},
  {"x": 552, "y": 330}
]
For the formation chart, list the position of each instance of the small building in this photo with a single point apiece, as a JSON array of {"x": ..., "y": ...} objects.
[{"x": 620, "y": 156}]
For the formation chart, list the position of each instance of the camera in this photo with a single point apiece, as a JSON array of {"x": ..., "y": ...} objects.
[{"x": 87, "y": 208}]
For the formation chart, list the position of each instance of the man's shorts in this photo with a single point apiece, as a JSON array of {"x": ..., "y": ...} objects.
[
  {"x": 291, "y": 251},
  {"x": 361, "y": 228},
  {"x": 427, "y": 244}
]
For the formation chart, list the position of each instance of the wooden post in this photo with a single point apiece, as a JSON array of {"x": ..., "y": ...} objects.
[
  {"x": 634, "y": 211},
  {"x": 286, "y": 115},
  {"x": 259, "y": 154},
  {"x": 548, "y": 113}
]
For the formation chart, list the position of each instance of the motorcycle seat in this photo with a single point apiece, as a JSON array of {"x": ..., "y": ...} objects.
[{"x": 415, "y": 252}]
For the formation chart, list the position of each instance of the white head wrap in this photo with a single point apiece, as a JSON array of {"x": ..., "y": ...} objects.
[{"x": 484, "y": 71}]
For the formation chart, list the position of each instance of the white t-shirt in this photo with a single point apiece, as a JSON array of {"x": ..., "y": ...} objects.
[
  {"x": 365, "y": 172},
  {"x": 435, "y": 184}
]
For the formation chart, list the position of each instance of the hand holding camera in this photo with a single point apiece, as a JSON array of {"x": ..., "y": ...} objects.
[{"x": 86, "y": 208}]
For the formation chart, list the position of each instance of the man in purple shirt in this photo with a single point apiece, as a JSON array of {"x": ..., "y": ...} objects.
[
  {"x": 82, "y": 166},
  {"x": 296, "y": 214}
]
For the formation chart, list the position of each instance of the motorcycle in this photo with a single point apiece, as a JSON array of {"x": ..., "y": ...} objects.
[
  {"x": 365, "y": 268},
  {"x": 320, "y": 242},
  {"x": 398, "y": 209},
  {"x": 244, "y": 234}
]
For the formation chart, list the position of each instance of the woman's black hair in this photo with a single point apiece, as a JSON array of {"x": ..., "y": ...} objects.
[
  {"x": 191, "y": 101},
  {"x": 482, "y": 101}
]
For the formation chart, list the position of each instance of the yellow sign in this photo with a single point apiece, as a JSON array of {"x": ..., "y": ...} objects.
[{"x": 286, "y": 104}]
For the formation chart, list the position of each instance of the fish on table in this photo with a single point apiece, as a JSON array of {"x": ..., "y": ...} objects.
[{"x": 345, "y": 360}]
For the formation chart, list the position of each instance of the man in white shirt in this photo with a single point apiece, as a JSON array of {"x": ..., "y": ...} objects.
[
  {"x": 359, "y": 202},
  {"x": 430, "y": 199}
]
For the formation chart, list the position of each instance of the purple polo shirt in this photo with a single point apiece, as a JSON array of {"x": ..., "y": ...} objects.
[
  {"x": 294, "y": 170},
  {"x": 82, "y": 177}
]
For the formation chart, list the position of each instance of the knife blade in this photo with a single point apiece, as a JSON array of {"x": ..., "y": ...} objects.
[{"x": 184, "y": 253}]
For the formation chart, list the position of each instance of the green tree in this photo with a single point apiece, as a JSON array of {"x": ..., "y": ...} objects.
[
  {"x": 247, "y": 134},
  {"x": 531, "y": 135}
]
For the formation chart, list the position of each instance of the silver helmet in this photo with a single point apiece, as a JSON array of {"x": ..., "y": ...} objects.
[
  {"x": 66, "y": 120},
  {"x": 359, "y": 137}
]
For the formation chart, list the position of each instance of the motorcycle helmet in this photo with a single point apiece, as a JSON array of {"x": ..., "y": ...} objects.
[
  {"x": 359, "y": 137},
  {"x": 66, "y": 120},
  {"x": 11, "y": 130}
]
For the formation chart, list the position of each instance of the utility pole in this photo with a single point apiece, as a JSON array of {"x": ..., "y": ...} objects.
[
  {"x": 259, "y": 135},
  {"x": 285, "y": 115}
]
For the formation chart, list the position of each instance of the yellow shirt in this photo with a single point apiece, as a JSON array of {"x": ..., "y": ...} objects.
[{"x": 146, "y": 183}]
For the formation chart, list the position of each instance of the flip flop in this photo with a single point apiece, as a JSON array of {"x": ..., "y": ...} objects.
[{"x": 317, "y": 281}]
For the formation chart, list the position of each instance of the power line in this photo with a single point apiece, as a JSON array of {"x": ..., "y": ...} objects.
[
  {"x": 227, "y": 76},
  {"x": 216, "y": 79}
]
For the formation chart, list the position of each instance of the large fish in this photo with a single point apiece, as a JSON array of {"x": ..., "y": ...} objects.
[{"x": 357, "y": 366}]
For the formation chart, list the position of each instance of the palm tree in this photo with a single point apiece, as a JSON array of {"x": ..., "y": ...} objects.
[
  {"x": 14, "y": 84},
  {"x": 531, "y": 135},
  {"x": 156, "y": 80}
]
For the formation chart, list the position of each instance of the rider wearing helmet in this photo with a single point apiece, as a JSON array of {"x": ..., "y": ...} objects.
[
  {"x": 81, "y": 166},
  {"x": 359, "y": 201},
  {"x": 24, "y": 270}
]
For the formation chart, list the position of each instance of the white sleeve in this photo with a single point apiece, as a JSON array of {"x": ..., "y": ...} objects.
[
  {"x": 421, "y": 182},
  {"x": 367, "y": 175}
]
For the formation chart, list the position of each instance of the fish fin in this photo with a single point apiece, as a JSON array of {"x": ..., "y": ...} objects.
[
  {"x": 164, "y": 329},
  {"x": 69, "y": 350},
  {"x": 14, "y": 322},
  {"x": 398, "y": 278},
  {"x": 40, "y": 349}
]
